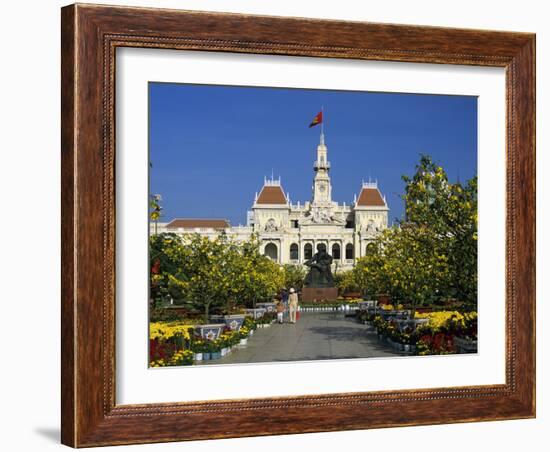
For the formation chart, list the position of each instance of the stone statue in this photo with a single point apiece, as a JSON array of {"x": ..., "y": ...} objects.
[{"x": 320, "y": 274}]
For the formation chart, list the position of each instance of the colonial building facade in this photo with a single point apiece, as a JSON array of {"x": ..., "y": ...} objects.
[{"x": 291, "y": 233}]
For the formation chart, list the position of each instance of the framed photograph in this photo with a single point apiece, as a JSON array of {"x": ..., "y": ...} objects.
[{"x": 281, "y": 225}]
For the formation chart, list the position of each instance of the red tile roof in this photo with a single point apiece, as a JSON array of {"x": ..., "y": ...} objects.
[
  {"x": 189, "y": 223},
  {"x": 271, "y": 195},
  {"x": 370, "y": 197}
]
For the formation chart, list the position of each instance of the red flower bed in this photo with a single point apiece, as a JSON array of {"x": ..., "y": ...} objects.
[
  {"x": 436, "y": 344},
  {"x": 161, "y": 350}
]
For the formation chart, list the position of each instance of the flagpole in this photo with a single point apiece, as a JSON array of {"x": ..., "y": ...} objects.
[{"x": 323, "y": 121}]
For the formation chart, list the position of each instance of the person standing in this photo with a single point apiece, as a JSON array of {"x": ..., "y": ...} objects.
[
  {"x": 280, "y": 311},
  {"x": 293, "y": 305},
  {"x": 284, "y": 299}
]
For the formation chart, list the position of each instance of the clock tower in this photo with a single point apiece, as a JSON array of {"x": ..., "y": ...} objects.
[{"x": 322, "y": 190}]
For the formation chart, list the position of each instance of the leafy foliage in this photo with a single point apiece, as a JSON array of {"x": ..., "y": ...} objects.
[
  {"x": 345, "y": 281},
  {"x": 432, "y": 253},
  {"x": 294, "y": 276},
  {"x": 206, "y": 273}
]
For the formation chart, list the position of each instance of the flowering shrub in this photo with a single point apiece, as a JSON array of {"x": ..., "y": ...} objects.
[
  {"x": 249, "y": 323},
  {"x": 437, "y": 344},
  {"x": 161, "y": 351},
  {"x": 169, "y": 342},
  {"x": 174, "y": 343},
  {"x": 180, "y": 358},
  {"x": 168, "y": 330},
  {"x": 436, "y": 337},
  {"x": 228, "y": 338},
  {"x": 465, "y": 326},
  {"x": 265, "y": 319},
  {"x": 243, "y": 332},
  {"x": 450, "y": 322},
  {"x": 214, "y": 346},
  {"x": 198, "y": 345},
  {"x": 157, "y": 363},
  {"x": 365, "y": 316},
  {"x": 386, "y": 328}
]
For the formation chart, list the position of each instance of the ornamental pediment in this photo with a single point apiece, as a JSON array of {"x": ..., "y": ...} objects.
[{"x": 322, "y": 215}]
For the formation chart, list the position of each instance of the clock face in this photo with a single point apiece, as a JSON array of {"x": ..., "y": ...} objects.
[{"x": 322, "y": 187}]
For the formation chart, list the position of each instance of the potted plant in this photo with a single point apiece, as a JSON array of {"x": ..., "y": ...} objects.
[
  {"x": 405, "y": 339},
  {"x": 210, "y": 331},
  {"x": 224, "y": 343},
  {"x": 250, "y": 325},
  {"x": 265, "y": 320},
  {"x": 256, "y": 313},
  {"x": 234, "y": 321},
  {"x": 198, "y": 349},
  {"x": 182, "y": 358},
  {"x": 235, "y": 338},
  {"x": 243, "y": 335},
  {"x": 207, "y": 349},
  {"x": 215, "y": 349}
]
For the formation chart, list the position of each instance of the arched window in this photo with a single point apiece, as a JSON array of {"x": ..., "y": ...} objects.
[
  {"x": 349, "y": 251},
  {"x": 294, "y": 252},
  {"x": 308, "y": 251},
  {"x": 336, "y": 251},
  {"x": 271, "y": 251}
]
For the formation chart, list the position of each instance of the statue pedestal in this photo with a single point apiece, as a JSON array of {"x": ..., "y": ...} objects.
[{"x": 310, "y": 294}]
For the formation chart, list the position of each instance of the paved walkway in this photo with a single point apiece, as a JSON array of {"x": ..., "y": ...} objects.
[{"x": 323, "y": 335}]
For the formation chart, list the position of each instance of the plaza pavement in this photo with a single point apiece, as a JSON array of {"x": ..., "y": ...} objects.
[{"x": 318, "y": 335}]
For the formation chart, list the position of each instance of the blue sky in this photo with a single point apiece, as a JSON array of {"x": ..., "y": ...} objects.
[{"x": 211, "y": 146}]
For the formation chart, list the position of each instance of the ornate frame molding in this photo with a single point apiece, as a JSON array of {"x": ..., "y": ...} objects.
[{"x": 90, "y": 37}]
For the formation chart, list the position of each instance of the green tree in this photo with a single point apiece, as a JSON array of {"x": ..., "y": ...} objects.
[
  {"x": 432, "y": 253},
  {"x": 293, "y": 276},
  {"x": 369, "y": 275},
  {"x": 345, "y": 281},
  {"x": 414, "y": 270},
  {"x": 195, "y": 269},
  {"x": 449, "y": 211},
  {"x": 209, "y": 273},
  {"x": 259, "y": 277},
  {"x": 165, "y": 256}
]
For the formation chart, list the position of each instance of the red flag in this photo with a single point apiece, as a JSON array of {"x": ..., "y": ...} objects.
[{"x": 317, "y": 120}]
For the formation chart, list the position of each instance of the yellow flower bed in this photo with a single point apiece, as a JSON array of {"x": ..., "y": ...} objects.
[
  {"x": 391, "y": 307},
  {"x": 243, "y": 332},
  {"x": 353, "y": 300},
  {"x": 168, "y": 330},
  {"x": 157, "y": 363},
  {"x": 182, "y": 357},
  {"x": 440, "y": 319}
]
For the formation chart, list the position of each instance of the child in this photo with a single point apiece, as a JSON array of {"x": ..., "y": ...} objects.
[{"x": 280, "y": 311}]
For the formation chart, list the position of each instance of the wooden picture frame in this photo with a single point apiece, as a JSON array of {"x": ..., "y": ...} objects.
[{"x": 90, "y": 36}]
